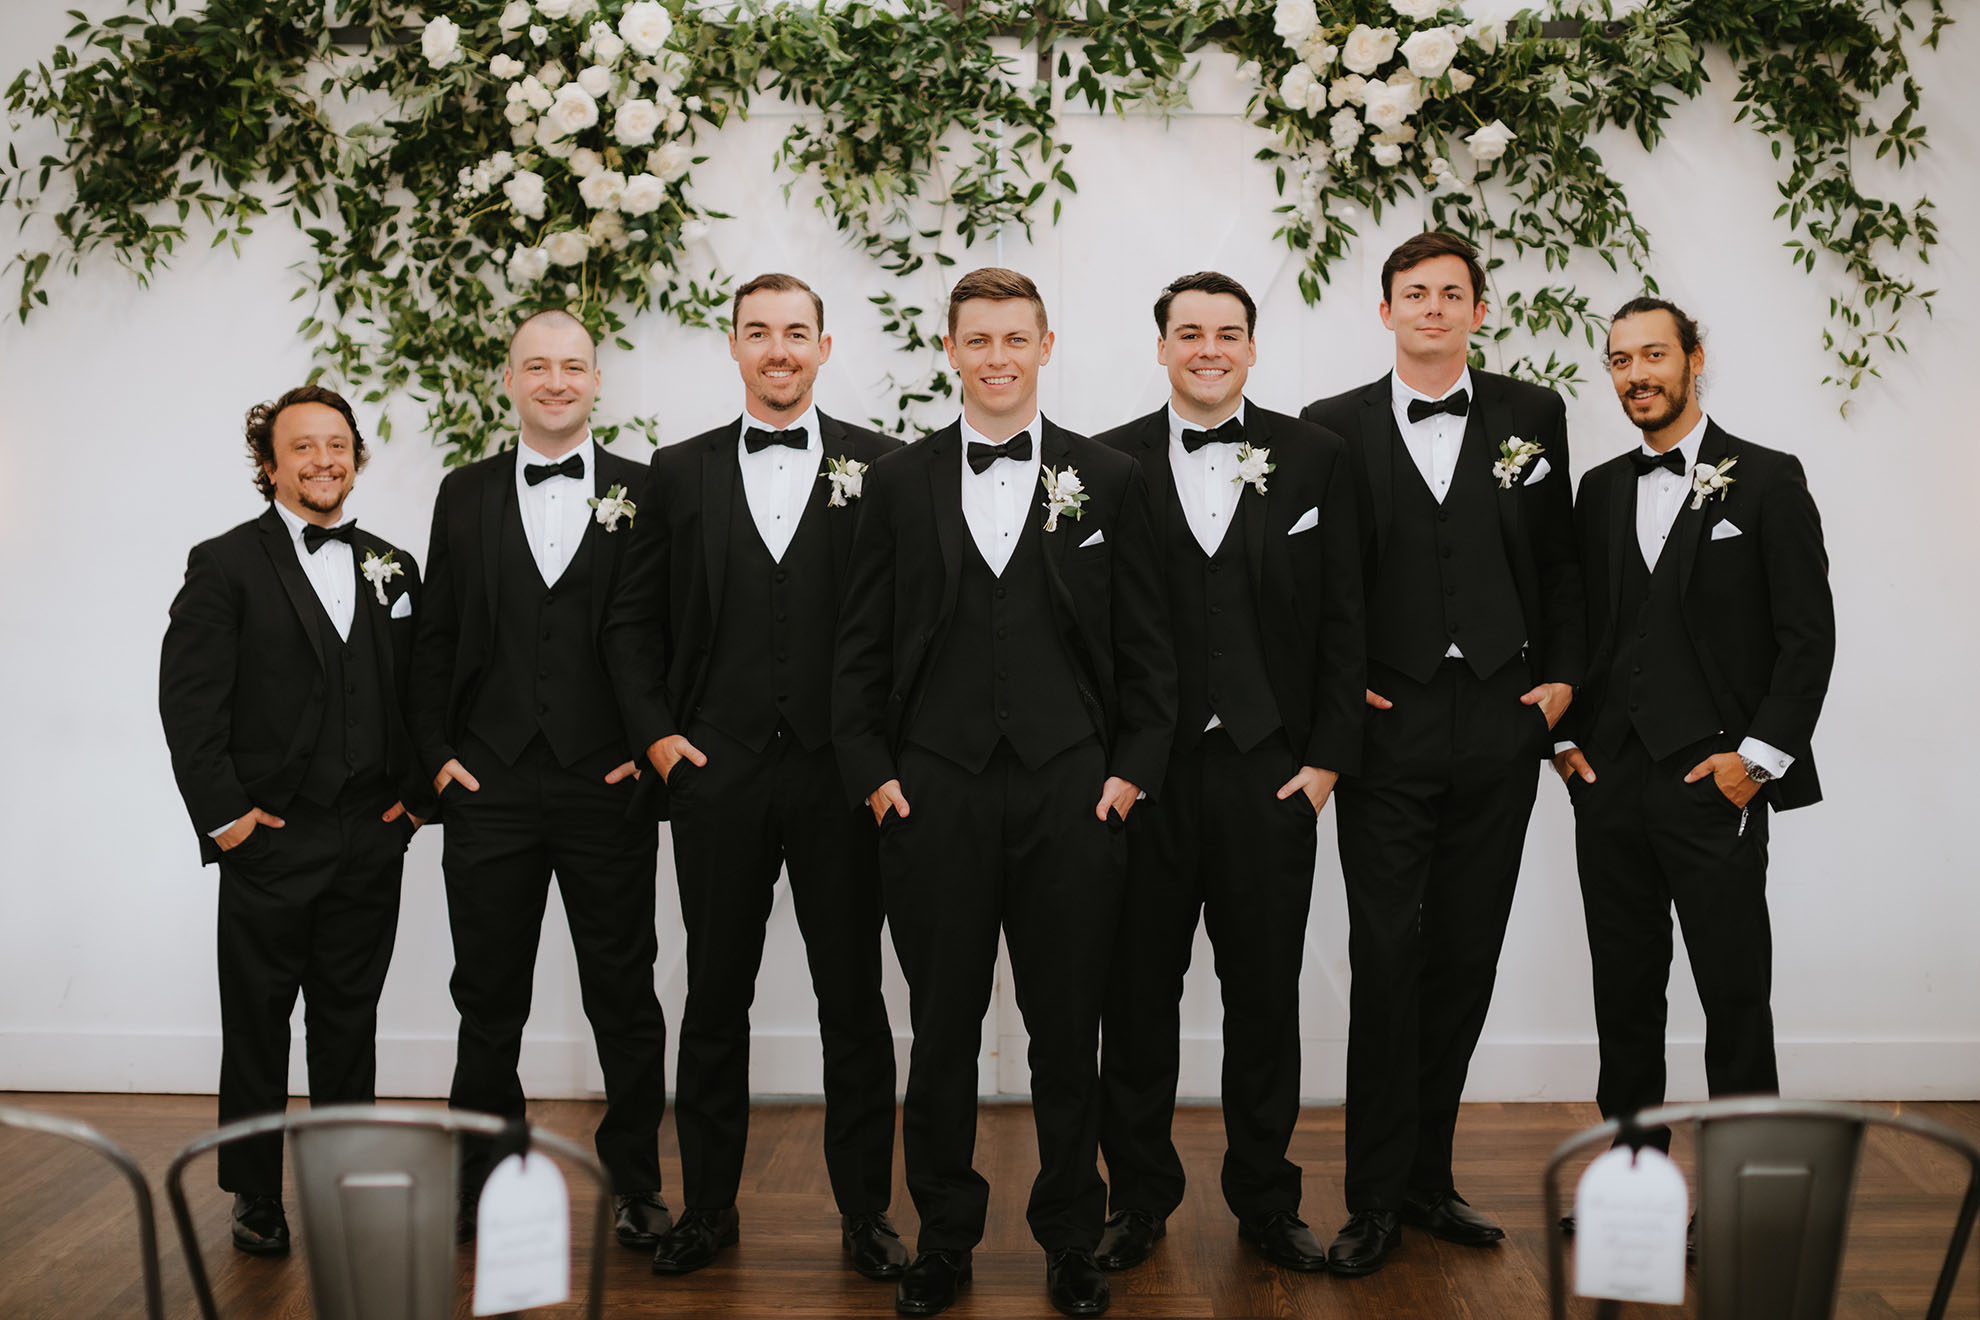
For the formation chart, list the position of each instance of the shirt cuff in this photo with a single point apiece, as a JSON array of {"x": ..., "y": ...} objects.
[
  {"x": 1770, "y": 758},
  {"x": 1564, "y": 746},
  {"x": 214, "y": 834}
]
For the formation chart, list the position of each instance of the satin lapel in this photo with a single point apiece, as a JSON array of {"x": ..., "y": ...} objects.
[
  {"x": 1492, "y": 427},
  {"x": 1380, "y": 448},
  {"x": 1154, "y": 441},
  {"x": 1621, "y": 512},
  {"x": 945, "y": 503},
  {"x": 1689, "y": 529},
  {"x": 282, "y": 554},
  {"x": 499, "y": 483},
  {"x": 719, "y": 474},
  {"x": 1256, "y": 519},
  {"x": 608, "y": 547},
  {"x": 1055, "y": 452},
  {"x": 832, "y": 441},
  {"x": 381, "y": 622}
]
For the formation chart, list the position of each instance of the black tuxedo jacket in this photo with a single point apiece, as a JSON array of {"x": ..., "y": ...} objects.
[
  {"x": 1756, "y": 603},
  {"x": 1536, "y": 518},
  {"x": 1307, "y": 587},
  {"x": 906, "y": 569},
  {"x": 457, "y": 630},
  {"x": 660, "y": 629},
  {"x": 241, "y": 675}
]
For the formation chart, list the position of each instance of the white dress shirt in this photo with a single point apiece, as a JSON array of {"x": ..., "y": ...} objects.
[
  {"x": 1207, "y": 483},
  {"x": 996, "y": 503},
  {"x": 331, "y": 572},
  {"x": 778, "y": 480},
  {"x": 555, "y": 510},
  {"x": 1433, "y": 443}
]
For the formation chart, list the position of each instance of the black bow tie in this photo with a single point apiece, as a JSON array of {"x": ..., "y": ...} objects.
[
  {"x": 1670, "y": 460},
  {"x": 981, "y": 456},
  {"x": 756, "y": 439},
  {"x": 1230, "y": 433},
  {"x": 314, "y": 536},
  {"x": 538, "y": 473},
  {"x": 1457, "y": 405}
]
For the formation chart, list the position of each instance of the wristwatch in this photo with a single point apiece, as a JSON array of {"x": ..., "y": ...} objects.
[{"x": 1758, "y": 773}]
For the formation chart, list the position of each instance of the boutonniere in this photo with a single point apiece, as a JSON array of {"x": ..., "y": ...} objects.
[
  {"x": 613, "y": 506},
  {"x": 1709, "y": 481},
  {"x": 1064, "y": 493},
  {"x": 1514, "y": 455},
  {"x": 1252, "y": 466},
  {"x": 847, "y": 476},
  {"x": 379, "y": 569}
]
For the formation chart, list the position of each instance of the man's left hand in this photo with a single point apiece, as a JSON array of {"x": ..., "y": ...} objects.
[
  {"x": 398, "y": 809},
  {"x": 1317, "y": 784},
  {"x": 1729, "y": 773},
  {"x": 1118, "y": 795},
  {"x": 628, "y": 768},
  {"x": 1553, "y": 699}
]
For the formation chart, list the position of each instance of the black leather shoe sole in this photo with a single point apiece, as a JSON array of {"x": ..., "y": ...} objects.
[
  {"x": 932, "y": 1305},
  {"x": 1132, "y": 1250},
  {"x": 1454, "y": 1232},
  {"x": 700, "y": 1258},
  {"x": 256, "y": 1245},
  {"x": 1356, "y": 1267},
  {"x": 887, "y": 1272}
]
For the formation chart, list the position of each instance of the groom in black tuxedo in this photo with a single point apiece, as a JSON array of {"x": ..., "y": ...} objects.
[
  {"x": 1004, "y": 691},
  {"x": 282, "y": 691},
  {"x": 1713, "y": 633},
  {"x": 1475, "y": 643},
  {"x": 1254, "y": 516},
  {"x": 516, "y": 722},
  {"x": 720, "y": 645}
]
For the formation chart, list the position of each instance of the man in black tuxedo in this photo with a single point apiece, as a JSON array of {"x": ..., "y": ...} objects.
[
  {"x": 515, "y": 720},
  {"x": 1004, "y": 690},
  {"x": 1254, "y": 516},
  {"x": 1713, "y": 633},
  {"x": 1475, "y": 643},
  {"x": 282, "y": 691},
  {"x": 720, "y": 645}
]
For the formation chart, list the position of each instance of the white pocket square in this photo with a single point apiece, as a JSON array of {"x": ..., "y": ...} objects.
[
  {"x": 1307, "y": 522},
  {"x": 1095, "y": 539},
  {"x": 1540, "y": 470},
  {"x": 402, "y": 607},
  {"x": 1722, "y": 530}
]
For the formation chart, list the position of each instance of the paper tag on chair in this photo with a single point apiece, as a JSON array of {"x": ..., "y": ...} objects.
[
  {"x": 522, "y": 1252},
  {"x": 1630, "y": 1212}
]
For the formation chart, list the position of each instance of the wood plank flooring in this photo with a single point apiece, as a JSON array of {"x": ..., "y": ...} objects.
[{"x": 68, "y": 1241}]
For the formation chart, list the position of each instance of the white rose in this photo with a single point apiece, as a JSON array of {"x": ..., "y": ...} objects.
[
  {"x": 636, "y": 123},
  {"x": 538, "y": 34},
  {"x": 676, "y": 121},
  {"x": 601, "y": 190},
  {"x": 1249, "y": 72},
  {"x": 1367, "y": 48},
  {"x": 606, "y": 47},
  {"x": 1489, "y": 143},
  {"x": 1386, "y": 106},
  {"x": 498, "y": 166},
  {"x": 535, "y": 93},
  {"x": 1293, "y": 88},
  {"x": 585, "y": 162},
  {"x": 1294, "y": 21},
  {"x": 525, "y": 193},
  {"x": 671, "y": 161},
  {"x": 646, "y": 25},
  {"x": 1460, "y": 80},
  {"x": 1430, "y": 51},
  {"x": 505, "y": 66},
  {"x": 1069, "y": 484},
  {"x": 515, "y": 17},
  {"x": 1417, "y": 9},
  {"x": 1487, "y": 35},
  {"x": 642, "y": 195},
  {"x": 1346, "y": 129},
  {"x": 693, "y": 104},
  {"x": 567, "y": 247},
  {"x": 523, "y": 133},
  {"x": 572, "y": 111},
  {"x": 441, "y": 42},
  {"x": 553, "y": 8},
  {"x": 1411, "y": 87},
  {"x": 1387, "y": 154},
  {"x": 606, "y": 227},
  {"x": 1318, "y": 53},
  {"x": 551, "y": 75},
  {"x": 579, "y": 8},
  {"x": 516, "y": 112},
  {"x": 1348, "y": 90},
  {"x": 597, "y": 80},
  {"x": 528, "y": 265},
  {"x": 693, "y": 232},
  {"x": 552, "y": 143}
]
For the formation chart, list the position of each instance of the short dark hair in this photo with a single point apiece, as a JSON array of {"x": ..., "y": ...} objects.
[
  {"x": 555, "y": 316},
  {"x": 1205, "y": 281},
  {"x": 776, "y": 283},
  {"x": 1433, "y": 243},
  {"x": 1688, "y": 335},
  {"x": 996, "y": 284},
  {"x": 261, "y": 431}
]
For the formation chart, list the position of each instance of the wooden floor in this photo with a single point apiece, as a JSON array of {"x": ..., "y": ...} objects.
[{"x": 68, "y": 1241}]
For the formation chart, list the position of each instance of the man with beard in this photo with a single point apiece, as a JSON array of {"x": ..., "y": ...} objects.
[
  {"x": 1713, "y": 634},
  {"x": 720, "y": 644},
  {"x": 281, "y": 688}
]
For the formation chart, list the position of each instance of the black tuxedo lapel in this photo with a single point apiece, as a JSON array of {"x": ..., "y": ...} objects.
[
  {"x": 606, "y": 547},
  {"x": 1055, "y": 452},
  {"x": 1689, "y": 528},
  {"x": 1621, "y": 511},
  {"x": 719, "y": 471},
  {"x": 1155, "y": 467},
  {"x": 499, "y": 485},
  {"x": 945, "y": 503},
  {"x": 381, "y": 620},
  {"x": 1254, "y": 507},
  {"x": 1381, "y": 447},
  {"x": 832, "y": 440},
  {"x": 1491, "y": 426},
  {"x": 281, "y": 551}
]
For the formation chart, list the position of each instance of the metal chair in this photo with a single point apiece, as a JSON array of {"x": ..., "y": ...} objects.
[
  {"x": 1773, "y": 1188},
  {"x": 376, "y": 1187},
  {"x": 85, "y": 1135}
]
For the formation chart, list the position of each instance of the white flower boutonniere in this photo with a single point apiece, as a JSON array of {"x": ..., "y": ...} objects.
[
  {"x": 1252, "y": 466},
  {"x": 848, "y": 477},
  {"x": 1514, "y": 455},
  {"x": 613, "y": 506},
  {"x": 1064, "y": 493},
  {"x": 1709, "y": 481},
  {"x": 379, "y": 569}
]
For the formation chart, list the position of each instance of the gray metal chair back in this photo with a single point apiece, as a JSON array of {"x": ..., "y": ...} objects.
[
  {"x": 375, "y": 1190},
  {"x": 1774, "y": 1183},
  {"x": 84, "y": 1135}
]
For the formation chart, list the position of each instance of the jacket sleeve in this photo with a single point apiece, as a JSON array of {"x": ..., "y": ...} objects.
[
  {"x": 415, "y": 786},
  {"x": 196, "y": 676},
  {"x": 863, "y": 662},
  {"x": 435, "y": 644},
  {"x": 1340, "y": 663},
  {"x": 1804, "y": 615},
  {"x": 1144, "y": 654},
  {"x": 636, "y": 644},
  {"x": 1563, "y": 607}
]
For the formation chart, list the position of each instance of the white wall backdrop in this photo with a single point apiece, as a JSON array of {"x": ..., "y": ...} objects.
[{"x": 121, "y": 443}]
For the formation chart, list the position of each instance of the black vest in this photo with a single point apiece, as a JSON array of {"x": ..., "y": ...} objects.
[
  {"x": 1654, "y": 683},
  {"x": 1220, "y": 659},
  {"x": 544, "y": 675},
  {"x": 1444, "y": 577},
  {"x": 350, "y": 740},
  {"x": 772, "y": 659},
  {"x": 1000, "y": 671}
]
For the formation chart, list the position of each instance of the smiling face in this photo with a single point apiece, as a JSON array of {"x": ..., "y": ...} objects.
[
  {"x": 778, "y": 348},
  {"x": 315, "y": 461},
  {"x": 552, "y": 377},
  {"x": 997, "y": 347},
  {"x": 1209, "y": 352},
  {"x": 1433, "y": 309},
  {"x": 1656, "y": 381}
]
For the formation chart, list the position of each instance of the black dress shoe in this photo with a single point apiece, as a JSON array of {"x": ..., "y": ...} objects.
[
  {"x": 1128, "y": 1239},
  {"x": 1365, "y": 1242},
  {"x": 1074, "y": 1283},
  {"x": 260, "y": 1227},
  {"x": 1283, "y": 1238},
  {"x": 1450, "y": 1218},
  {"x": 872, "y": 1246},
  {"x": 694, "y": 1239},
  {"x": 929, "y": 1285},
  {"x": 639, "y": 1218}
]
